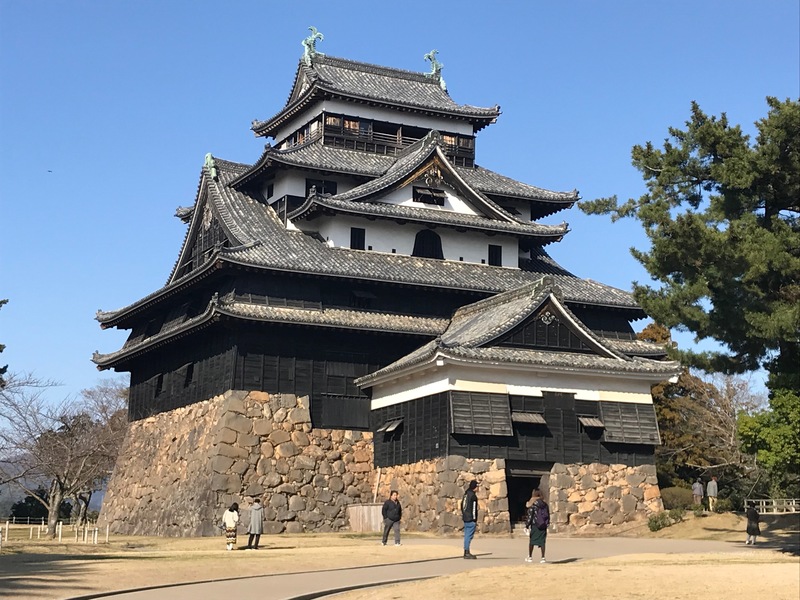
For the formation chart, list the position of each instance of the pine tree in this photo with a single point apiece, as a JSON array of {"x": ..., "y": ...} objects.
[{"x": 722, "y": 215}]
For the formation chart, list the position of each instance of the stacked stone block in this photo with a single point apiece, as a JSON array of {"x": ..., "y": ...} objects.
[
  {"x": 179, "y": 470},
  {"x": 596, "y": 496},
  {"x": 430, "y": 492}
]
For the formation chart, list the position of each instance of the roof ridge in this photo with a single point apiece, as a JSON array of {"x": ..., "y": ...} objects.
[
  {"x": 356, "y": 65},
  {"x": 532, "y": 288}
]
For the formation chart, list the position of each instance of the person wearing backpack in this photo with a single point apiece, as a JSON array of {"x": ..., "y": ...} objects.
[
  {"x": 536, "y": 524},
  {"x": 469, "y": 514}
]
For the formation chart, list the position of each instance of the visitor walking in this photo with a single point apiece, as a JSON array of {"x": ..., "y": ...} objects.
[
  {"x": 711, "y": 492},
  {"x": 537, "y": 523},
  {"x": 469, "y": 513},
  {"x": 753, "y": 530},
  {"x": 697, "y": 492},
  {"x": 392, "y": 512},
  {"x": 230, "y": 519},
  {"x": 256, "y": 525}
]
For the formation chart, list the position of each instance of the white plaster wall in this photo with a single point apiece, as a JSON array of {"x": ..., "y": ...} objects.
[
  {"x": 293, "y": 183},
  {"x": 385, "y": 236},
  {"x": 529, "y": 382},
  {"x": 474, "y": 247},
  {"x": 452, "y": 203}
]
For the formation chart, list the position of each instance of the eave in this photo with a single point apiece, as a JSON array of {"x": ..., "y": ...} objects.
[
  {"x": 319, "y": 92},
  {"x": 319, "y": 204}
]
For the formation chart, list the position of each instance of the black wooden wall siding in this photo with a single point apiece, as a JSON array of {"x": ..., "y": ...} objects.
[
  {"x": 338, "y": 293},
  {"x": 422, "y": 435},
  {"x": 562, "y": 439},
  {"x": 160, "y": 382}
]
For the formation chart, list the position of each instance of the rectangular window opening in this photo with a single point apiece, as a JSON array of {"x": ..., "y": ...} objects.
[
  {"x": 321, "y": 187},
  {"x": 358, "y": 238},
  {"x": 429, "y": 196},
  {"x": 495, "y": 255},
  {"x": 189, "y": 377}
]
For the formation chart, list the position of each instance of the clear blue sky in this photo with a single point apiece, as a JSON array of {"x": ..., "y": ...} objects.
[{"x": 108, "y": 108}]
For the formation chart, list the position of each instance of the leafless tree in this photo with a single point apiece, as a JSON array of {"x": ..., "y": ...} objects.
[{"x": 70, "y": 446}]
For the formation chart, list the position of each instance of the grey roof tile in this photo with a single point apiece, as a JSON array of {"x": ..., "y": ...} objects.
[
  {"x": 493, "y": 183},
  {"x": 315, "y": 155},
  {"x": 635, "y": 347},
  {"x": 549, "y": 233},
  {"x": 337, "y": 317},
  {"x": 368, "y": 320},
  {"x": 261, "y": 240},
  {"x": 367, "y": 82},
  {"x": 474, "y": 327},
  {"x": 494, "y": 355}
]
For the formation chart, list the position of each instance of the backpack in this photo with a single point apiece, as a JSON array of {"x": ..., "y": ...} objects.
[{"x": 541, "y": 516}]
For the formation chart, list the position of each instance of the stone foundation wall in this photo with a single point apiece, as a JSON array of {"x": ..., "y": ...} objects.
[
  {"x": 178, "y": 471},
  {"x": 597, "y": 496},
  {"x": 430, "y": 492}
]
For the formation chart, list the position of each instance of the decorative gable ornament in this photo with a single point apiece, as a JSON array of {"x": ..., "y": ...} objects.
[
  {"x": 547, "y": 317},
  {"x": 433, "y": 176},
  {"x": 436, "y": 69},
  {"x": 310, "y": 46}
]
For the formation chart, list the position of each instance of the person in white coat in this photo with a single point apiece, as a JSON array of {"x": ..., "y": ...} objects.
[{"x": 230, "y": 519}]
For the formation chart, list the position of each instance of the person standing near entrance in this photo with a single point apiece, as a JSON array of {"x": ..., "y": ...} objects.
[
  {"x": 537, "y": 523},
  {"x": 697, "y": 492},
  {"x": 392, "y": 512},
  {"x": 469, "y": 513},
  {"x": 256, "y": 526},
  {"x": 711, "y": 492}
]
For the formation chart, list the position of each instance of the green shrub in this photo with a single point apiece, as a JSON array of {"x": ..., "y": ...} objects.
[
  {"x": 658, "y": 521},
  {"x": 697, "y": 509},
  {"x": 676, "y": 497},
  {"x": 676, "y": 514},
  {"x": 723, "y": 505}
]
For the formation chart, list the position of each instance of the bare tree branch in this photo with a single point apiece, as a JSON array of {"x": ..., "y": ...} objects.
[{"x": 68, "y": 446}]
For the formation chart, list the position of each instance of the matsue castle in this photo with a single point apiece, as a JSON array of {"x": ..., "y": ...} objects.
[{"x": 365, "y": 308}]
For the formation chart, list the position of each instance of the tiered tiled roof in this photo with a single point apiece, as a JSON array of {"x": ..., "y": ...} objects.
[
  {"x": 473, "y": 328},
  {"x": 228, "y": 306},
  {"x": 543, "y": 233},
  {"x": 365, "y": 199},
  {"x": 317, "y": 156},
  {"x": 331, "y": 77},
  {"x": 259, "y": 239}
]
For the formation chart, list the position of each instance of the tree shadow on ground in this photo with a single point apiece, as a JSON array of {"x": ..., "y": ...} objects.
[
  {"x": 26, "y": 575},
  {"x": 785, "y": 541}
]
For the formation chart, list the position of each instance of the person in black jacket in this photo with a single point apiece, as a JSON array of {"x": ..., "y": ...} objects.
[
  {"x": 469, "y": 513},
  {"x": 392, "y": 512},
  {"x": 753, "y": 530}
]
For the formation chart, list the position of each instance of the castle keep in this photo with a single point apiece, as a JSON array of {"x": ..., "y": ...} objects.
[{"x": 365, "y": 307}]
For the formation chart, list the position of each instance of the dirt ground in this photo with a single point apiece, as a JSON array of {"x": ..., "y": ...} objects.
[
  {"x": 771, "y": 570},
  {"x": 44, "y": 569},
  {"x": 37, "y": 569},
  {"x": 687, "y": 577}
]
